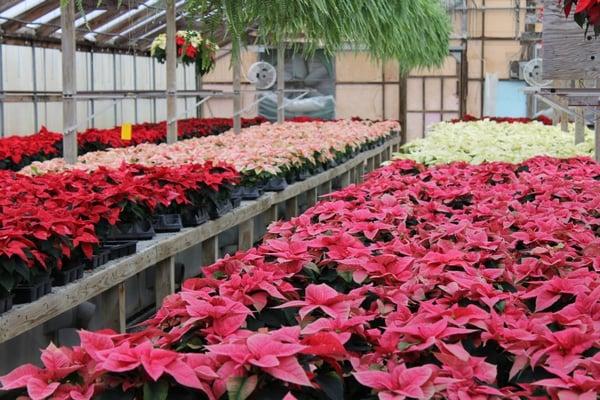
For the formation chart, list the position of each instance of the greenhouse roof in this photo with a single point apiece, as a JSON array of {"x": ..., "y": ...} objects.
[{"x": 121, "y": 25}]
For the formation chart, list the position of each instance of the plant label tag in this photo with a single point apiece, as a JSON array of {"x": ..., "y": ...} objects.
[{"x": 126, "y": 131}]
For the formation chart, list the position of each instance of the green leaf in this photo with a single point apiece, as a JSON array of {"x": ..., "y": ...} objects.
[
  {"x": 500, "y": 306},
  {"x": 7, "y": 281},
  {"x": 156, "y": 390},
  {"x": 311, "y": 266},
  {"x": 332, "y": 385},
  {"x": 241, "y": 387},
  {"x": 346, "y": 276},
  {"x": 403, "y": 346}
]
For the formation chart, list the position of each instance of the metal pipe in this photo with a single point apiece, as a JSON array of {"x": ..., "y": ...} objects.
[
  {"x": 135, "y": 101},
  {"x": 171, "y": 73},
  {"x": 153, "y": 63},
  {"x": 237, "y": 97},
  {"x": 67, "y": 22},
  {"x": 280, "y": 82},
  {"x": 1, "y": 88},
  {"x": 34, "y": 83},
  {"x": 114, "y": 63},
  {"x": 92, "y": 102}
]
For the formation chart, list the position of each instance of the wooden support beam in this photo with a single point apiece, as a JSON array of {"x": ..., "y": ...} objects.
[
  {"x": 271, "y": 215},
  {"x": 69, "y": 82},
  {"x": 246, "y": 234},
  {"x": 31, "y": 14},
  {"x": 291, "y": 207},
  {"x": 6, "y": 4},
  {"x": 564, "y": 117},
  {"x": 171, "y": 73},
  {"x": 377, "y": 160},
  {"x": 210, "y": 250},
  {"x": 280, "y": 82},
  {"x": 164, "y": 280},
  {"x": 597, "y": 133},
  {"x": 579, "y": 127},
  {"x": 360, "y": 172},
  {"x": 311, "y": 197},
  {"x": 114, "y": 309},
  {"x": 345, "y": 180},
  {"x": 370, "y": 164},
  {"x": 237, "y": 87}
]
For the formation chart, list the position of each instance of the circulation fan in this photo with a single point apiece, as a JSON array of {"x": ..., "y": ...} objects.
[
  {"x": 532, "y": 74},
  {"x": 262, "y": 75}
]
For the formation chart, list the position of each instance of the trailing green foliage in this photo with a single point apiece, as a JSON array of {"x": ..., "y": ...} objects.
[{"x": 414, "y": 32}]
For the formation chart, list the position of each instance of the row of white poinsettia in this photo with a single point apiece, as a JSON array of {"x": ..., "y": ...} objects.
[{"x": 480, "y": 141}]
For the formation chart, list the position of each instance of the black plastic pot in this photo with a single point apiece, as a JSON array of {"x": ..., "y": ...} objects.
[
  {"x": 141, "y": 230},
  {"x": 236, "y": 202},
  {"x": 276, "y": 184},
  {"x": 98, "y": 259},
  {"x": 236, "y": 192},
  {"x": 318, "y": 170},
  {"x": 117, "y": 249},
  {"x": 6, "y": 303},
  {"x": 251, "y": 193},
  {"x": 219, "y": 207},
  {"x": 26, "y": 293},
  {"x": 199, "y": 217},
  {"x": 332, "y": 164},
  {"x": 67, "y": 274},
  {"x": 167, "y": 223},
  {"x": 303, "y": 175}
]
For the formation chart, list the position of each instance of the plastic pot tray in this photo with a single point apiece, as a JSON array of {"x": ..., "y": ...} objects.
[
  {"x": 26, "y": 293},
  {"x": 251, "y": 193},
  {"x": 98, "y": 259},
  {"x": 276, "y": 184},
  {"x": 6, "y": 303},
  {"x": 141, "y": 230},
  {"x": 199, "y": 217},
  {"x": 219, "y": 208},
  {"x": 119, "y": 248},
  {"x": 67, "y": 275},
  {"x": 165, "y": 223}
]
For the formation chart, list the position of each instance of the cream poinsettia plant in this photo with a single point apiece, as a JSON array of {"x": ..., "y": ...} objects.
[
  {"x": 480, "y": 141},
  {"x": 262, "y": 149}
]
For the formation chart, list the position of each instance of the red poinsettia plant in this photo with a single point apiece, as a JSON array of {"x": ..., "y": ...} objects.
[{"x": 587, "y": 13}]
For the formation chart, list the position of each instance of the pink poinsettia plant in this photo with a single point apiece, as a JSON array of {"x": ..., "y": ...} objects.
[
  {"x": 260, "y": 149},
  {"x": 463, "y": 282}
]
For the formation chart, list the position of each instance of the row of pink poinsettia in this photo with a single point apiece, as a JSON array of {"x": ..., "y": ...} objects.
[
  {"x": 261, "y": 148},
  {"x": 455, "y": 282}
]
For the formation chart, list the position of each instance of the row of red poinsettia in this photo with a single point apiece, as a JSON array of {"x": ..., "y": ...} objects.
[
  {"x": 55, "y": 221},
  {"x": 511, "y": 120},
  {"x": 455, "y": 282},
  {"x": 19, "y": 151}
]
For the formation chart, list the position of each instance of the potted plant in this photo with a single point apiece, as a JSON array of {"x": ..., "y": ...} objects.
[{"x": 192, "y": 48}]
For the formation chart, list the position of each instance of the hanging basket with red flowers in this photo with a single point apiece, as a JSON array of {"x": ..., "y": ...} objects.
[
  {"x": 587, "y": 13},
  {"x": 191, "y": 48}
]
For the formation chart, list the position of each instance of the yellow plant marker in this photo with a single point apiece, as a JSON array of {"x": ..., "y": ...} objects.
[{"x": 126, "y": 131}]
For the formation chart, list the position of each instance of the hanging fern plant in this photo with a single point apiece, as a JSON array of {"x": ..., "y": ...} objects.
[{"x": 414, "y": 32}]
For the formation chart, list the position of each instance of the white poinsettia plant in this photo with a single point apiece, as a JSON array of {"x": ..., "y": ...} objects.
[{"x": 481, "y": 141}]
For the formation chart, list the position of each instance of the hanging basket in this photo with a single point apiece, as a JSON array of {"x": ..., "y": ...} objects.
[{"x": 192, "y": 48}]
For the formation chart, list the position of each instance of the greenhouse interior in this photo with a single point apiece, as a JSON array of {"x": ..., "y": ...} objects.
[{"x": 291, "y": 199}]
